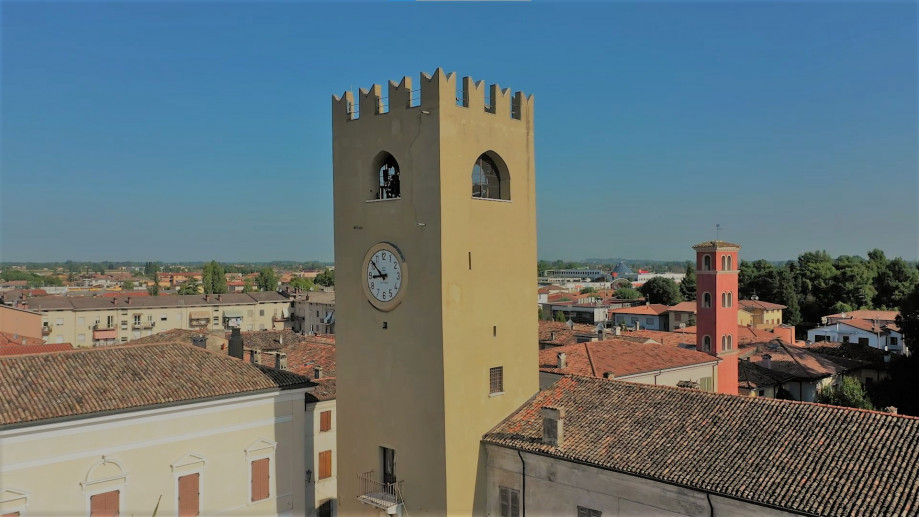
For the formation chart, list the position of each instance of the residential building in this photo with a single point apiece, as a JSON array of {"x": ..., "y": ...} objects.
[
  {"x": 553, "y": 333},
  {"x": 437, "y": 349},
  {"x": 798, "y": 371},
  {"x": 596, "y": 447},
  {"x": 882, "y": 336},
  {"x": 314, "y": 311},
  {"x": 881, "y": 317},
  {"x": 625, "y": 360},
  {"x": 681, "y": 315},
  {"x": 649, "y": 316},
  {"x": 641, "y": 278},
  {"x": 98, "y": 321},
  {"x": 98, "y": 431},
  {"x": 760, "y": 314}
]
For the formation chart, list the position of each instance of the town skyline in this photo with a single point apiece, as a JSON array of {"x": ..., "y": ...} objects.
[{"x": 171, "y": 132}]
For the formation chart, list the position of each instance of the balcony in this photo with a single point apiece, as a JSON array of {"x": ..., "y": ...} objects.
[
  {"x": 385, "y": 496},
  {"x": 143, "y": 324},
  {"x": 46, "y": 331},
  {"x": 104, "y": 333}
]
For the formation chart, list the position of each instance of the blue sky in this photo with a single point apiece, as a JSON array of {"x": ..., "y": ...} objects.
[{"x": 199, "y": 130}]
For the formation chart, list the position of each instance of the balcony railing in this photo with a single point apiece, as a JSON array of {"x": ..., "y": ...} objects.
[
  {"x": 385, "y": 496},
  {"x": 143, "y": 324}
]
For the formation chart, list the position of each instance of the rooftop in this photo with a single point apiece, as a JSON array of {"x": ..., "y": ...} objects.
[
  {"x": 621, "y": 357},
  {"x": 795, "y": 456},
  {"x": 759, "y": 304},
  {"x": 96, "y": 381},
  {"x": 654, "y": 309},
  {"x": 126, "y": 301}
]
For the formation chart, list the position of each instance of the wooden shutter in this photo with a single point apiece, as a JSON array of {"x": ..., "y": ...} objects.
[
  {"x": 510, "y": 502},
  {"x": 260, "y": 479},
  {"x": 325, "y": 464},
  {"x": 189, "y": 494},
  {"x": 515, "y": 503},
  {"x": 104, "y": 505},
  {"x": 325, "y": 421}
]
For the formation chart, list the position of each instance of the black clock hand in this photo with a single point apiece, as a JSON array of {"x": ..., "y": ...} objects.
[{"x": 380, "y": 273}]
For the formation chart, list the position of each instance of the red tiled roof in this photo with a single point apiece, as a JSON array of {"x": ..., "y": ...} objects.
[
  {"x": 666, "y": 338},
  {"x": 34, "y": 349},
  {"x": 714, "y": 244},
  {"x": 654, "y": 309},
  {"x": 10, "y": 338},
  {"x": 619, "y": 356},
  {"x": 563, "y": 334},
  {"x": 792, "y": 360},
  {"x": 90, "y": 381},
  {"x": 793, "y": 456},
  {"x": 868, "y": 325},
  {"x": 759, "y": 304},
  {"x": 867, "y": 315},
  {"x": 683, "y": 307}
]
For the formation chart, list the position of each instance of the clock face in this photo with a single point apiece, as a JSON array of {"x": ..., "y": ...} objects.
[{"x": 384, "y": 276}]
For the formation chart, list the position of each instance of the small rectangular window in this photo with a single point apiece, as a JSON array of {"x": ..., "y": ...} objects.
[
  {"x": 496, "y": 380},
  {"x": 863, "y": 341},
  {"x": 588, "y": 512},
  {"x": 325, "y": 464},
  {"x": 59, "y": 322},
  {"x": 81, "y": 338},
  {"x": 105, "y": 504},
  {"x": 325, "y": 421},
  {"x": 261, "y": 312},
  {"x": 649, "y": 321},
  {"x": 260, "y": 479},
  {"x": 81, "y": 321},
  {"x": 510, "y": 502},
  {"x": 163, "y": 317},
  {"x": 189, "y": 493}
]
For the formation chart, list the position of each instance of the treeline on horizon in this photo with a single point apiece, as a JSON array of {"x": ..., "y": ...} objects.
[
  {"x": 71, "y": 266},
  {"x": 812, "y": 286}
]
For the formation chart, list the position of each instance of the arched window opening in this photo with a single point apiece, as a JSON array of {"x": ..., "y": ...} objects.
[
  {"x": 724, "y": 343},
  {"x": 707, "y": 344},
  {"x": 706, "y": 301},
  {"x": 388, "y": 179},
  {"x": 730, "y": 342},
  {"x": 707, "y": 263},
  {"x": 730, "y": 299},
  {"x": 490, "y": 179},
  {"x": 486, "y": 180},
  {"x": 724, "y": 262},
  {"x": 724, "y": 299},
  {"x": 730, "y": 263}
]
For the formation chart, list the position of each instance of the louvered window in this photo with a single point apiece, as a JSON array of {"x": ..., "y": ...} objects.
[
  {"x": 510, "y": 502},
  {"x": 104, "y": 505},
  {"x": 189, "y": 495},
  {"x": 325, "y": 464},
  {"x": 260, "y": 479},
  {"x": 325, "y": 421}
]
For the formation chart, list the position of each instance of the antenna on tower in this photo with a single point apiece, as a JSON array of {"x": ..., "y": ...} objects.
[{"x": 717, "y": 231}]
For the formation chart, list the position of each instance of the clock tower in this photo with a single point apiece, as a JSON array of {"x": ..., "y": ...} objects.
[
  {"x": 717, "y": 268},
  {"x": 435, "y": 245}
]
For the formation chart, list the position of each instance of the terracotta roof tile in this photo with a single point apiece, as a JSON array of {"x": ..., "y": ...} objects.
[
  {"x": 794, "y": 456},
  {"x": 91, "y": 381},
  {"x": 10, "y": 338},
  {"x": 654, "y": 309},
  {"x": 684, "y": 307},
  {"x": 759, "y": 304},
  {"x": 34, "y": 349},
  {"x": 558, "y": 333},
  {"x": 619, "y": 356}
]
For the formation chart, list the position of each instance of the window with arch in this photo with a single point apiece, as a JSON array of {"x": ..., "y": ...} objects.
[
  {"x": 724, "y": 299},
  {"x": 707, "y": 263},
  {"x": 730, "y": 263},
  {"x": 707, "y": 344},
  {"x": 727, "y": 342},
  {"x": 730, "y": 342},
  {"x": 489, "y": 180},
  {"x": 730, "y": 299},
  {"x": 724, "y": 262},
  {"x": 386, "y": 181},
  {"x": 707, "y": 301}
]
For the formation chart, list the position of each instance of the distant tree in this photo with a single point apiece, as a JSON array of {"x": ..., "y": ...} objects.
[
  {"x": 154, "y": 289},
  {"x": 848, "y": 393},
  {"x": 267, "y": 279},
  {"x": 190, "y": 287},
  {"x": 213, "y": 278},
  {"x": 627, "y": 293},
  {"x": 661, "y": 290},
  {"x": 127, "y": 285},
  {"x": 560, "y": 316},
  {"x": 305, "y": 284},
  {"x": 587, "y": 290},
  {"x": 688, "y": 284},
  {"x": 150, "y": 269},
  {"x": 894, "y": 283},
  {"x": 787, "y": 296},
  {"x": 248, "y": 287},
  {"x": 539, "y": 314},
  {"x": 908, "y": 320},
  {"x": 326, "y": 278}
]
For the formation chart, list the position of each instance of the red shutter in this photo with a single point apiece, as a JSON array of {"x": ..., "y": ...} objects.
[
  {"x": 188, "y": 495},
  {"x": 325, "y": 464},
  {"x": 260, "y": 478},
  {"x": 325, "y": 421},
  {"x": 104, "y": 505}
]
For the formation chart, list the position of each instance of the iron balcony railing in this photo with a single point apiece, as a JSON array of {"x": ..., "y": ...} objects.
[{"x": 385, "y": 496}]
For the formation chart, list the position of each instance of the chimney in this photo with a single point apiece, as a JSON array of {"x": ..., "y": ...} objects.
[
  {"x": 114, "y": 300},
  {"x": 562, "y": 362},
  {"x": 552, "y": 336},
  {"x": 767, "y": 361},
  {"x": 281, "y": 339},
  {"x": 129, "y": 300},
  {"x": 280, "y": 362},
  {"x": 207, "y": 297},
  {"x": 236, "y": 344},
  {"x": 219, "y": 297},
  {"x": 317, "y": 372},
  {"x": 617, "y": 331},
  {"x": 609, "y": 376},
  {"x": 891, "y": 409},
  {"x": 199, "y": 341},
  {"x": 553, "y": 425},
  {"x": 252, "y": 354}
]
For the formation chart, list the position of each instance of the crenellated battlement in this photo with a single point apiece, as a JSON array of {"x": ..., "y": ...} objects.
[{"x": 436, "y": 91}]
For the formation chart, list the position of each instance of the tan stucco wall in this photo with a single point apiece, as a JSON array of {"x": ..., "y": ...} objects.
[
  {"x": 145, "y": 452},
  {"x": 316, "y": 441},
  {"x": 421, "y": 386}
]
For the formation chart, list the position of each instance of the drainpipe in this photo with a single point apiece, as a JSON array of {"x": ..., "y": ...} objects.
[{"x": 523, "y": 491}]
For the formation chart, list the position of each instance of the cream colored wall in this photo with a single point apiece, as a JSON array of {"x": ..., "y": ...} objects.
[
  {"x": 421, "y": 386},
  {"x": 145, "y": 452},
  {"x": 320, "y": 490},
  {"x": 744, "y": 318},
  {"x": 557, "y": 487},
  {"x": 673, "y": 376},
  {"x": 176, "y": 318}
]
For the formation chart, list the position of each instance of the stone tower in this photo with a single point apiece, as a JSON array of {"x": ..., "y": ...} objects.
[
  {"x": 716, "y": 308},
  {"x": 435, "y": 241}
]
